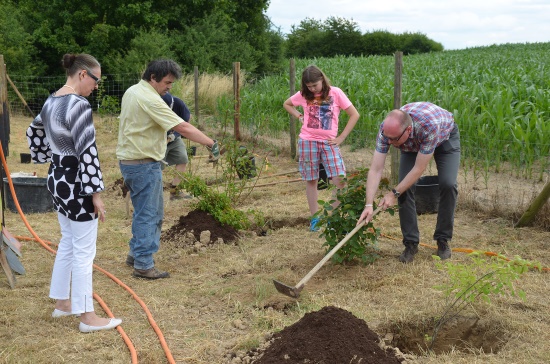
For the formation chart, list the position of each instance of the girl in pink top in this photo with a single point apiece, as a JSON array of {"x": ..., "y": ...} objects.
[{"x": 319, "y": 140}]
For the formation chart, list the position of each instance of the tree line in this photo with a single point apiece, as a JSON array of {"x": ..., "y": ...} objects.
[
  {"x": 342, "y": 37},
  {"x": 126, "y": 34}
]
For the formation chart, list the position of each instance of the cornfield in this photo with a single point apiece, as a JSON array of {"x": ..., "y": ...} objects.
[{"x": 499, "y": 95}]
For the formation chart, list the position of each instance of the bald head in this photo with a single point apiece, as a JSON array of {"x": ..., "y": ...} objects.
[
  {"x": 396, "y": 121},
  {"x": 395, "y": 124}
]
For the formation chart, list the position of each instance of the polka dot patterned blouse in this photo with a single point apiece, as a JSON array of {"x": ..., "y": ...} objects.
[{"x": 64, "y": 134}]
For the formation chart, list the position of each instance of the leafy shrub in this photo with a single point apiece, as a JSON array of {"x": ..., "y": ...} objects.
[
  {"x": 380, "y": 42},
  {"x": 221, "y": 199},
  {"x": 482, "y": 277},
  {"x": 341, "y": 220},
  {"x": 217, "y": 204},
  {"x": 416, "y": 43},
  {"x": 477, "y": 280}
]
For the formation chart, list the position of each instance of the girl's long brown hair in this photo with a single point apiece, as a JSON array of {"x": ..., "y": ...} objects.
[{"x": 312, "y": 74}]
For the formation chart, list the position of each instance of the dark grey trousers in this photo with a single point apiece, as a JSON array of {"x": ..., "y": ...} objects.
[{"x": 447, "y": 160}]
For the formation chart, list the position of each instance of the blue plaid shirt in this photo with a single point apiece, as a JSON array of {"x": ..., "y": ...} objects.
[{"x": 432, "y": 126}]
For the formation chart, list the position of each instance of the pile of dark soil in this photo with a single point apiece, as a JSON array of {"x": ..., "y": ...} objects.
[
  {"x": 197, "y": 221},
  {"x": 119, "y": 184},
  {"x": 329, "y": 336}
]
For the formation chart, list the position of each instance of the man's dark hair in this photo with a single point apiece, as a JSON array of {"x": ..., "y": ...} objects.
[{"x": 160, "y": 68}]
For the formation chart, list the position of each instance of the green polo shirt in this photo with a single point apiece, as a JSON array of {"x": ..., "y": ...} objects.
[{"x": 144, "y": 120}]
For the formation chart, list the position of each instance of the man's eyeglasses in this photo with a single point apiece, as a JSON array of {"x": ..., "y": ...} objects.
[{"x": 394, "y": 139}]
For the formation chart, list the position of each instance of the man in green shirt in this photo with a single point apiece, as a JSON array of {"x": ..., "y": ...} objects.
[{"x": 144, "y": 120}]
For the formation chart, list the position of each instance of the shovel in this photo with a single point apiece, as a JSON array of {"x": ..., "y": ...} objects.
[{"x": 294, "y": 292}]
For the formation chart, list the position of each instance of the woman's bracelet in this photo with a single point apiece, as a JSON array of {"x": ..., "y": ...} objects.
[{"x": 368, "y": 205}]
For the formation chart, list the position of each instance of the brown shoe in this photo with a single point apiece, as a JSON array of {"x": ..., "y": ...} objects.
[
  {"x": 130, "y": 261},
  {"x": 152, "y": 273}
]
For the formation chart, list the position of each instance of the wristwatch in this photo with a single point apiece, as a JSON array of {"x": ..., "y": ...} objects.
[{"x": 396, "y": 193}]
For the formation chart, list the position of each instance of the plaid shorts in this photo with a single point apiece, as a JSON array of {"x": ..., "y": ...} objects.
[{"x": 313, "y": 152}]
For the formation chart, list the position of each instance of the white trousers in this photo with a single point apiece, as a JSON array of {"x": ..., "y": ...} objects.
[{"x": 73, "y": 266}]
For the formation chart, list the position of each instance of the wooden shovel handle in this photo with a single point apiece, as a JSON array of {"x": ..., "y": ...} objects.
[{"x": 332, "y": 252}]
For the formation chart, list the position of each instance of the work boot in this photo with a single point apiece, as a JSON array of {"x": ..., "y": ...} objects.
[
  {"x": 411, "y": 248},
  {"x": 443, "y": 249},
  {"x": 152, "y": 273}
]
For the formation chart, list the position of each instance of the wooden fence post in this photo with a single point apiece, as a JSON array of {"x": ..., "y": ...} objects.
[
  {"x": 196, "y": 77},
  {"x": 4, "y": 111},
  {"x": 292, "y": 78},
  {"x": 237, "y": 98},
  {"x": 397, "y": 87}
]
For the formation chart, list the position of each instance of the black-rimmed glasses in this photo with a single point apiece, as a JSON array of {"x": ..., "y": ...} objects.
[
  {"x": 394, "y": 139},
  {"x": 94, "y": 77}
]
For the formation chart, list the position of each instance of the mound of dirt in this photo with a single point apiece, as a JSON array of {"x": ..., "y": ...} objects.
[
  {"x": 119, "y": 184},
  {"x": 197, "y": 221},
  {"x": 329, "y": 336}
]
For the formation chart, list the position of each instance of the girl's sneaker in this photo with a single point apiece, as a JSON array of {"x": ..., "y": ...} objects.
[{"x": 313, "y": 225}]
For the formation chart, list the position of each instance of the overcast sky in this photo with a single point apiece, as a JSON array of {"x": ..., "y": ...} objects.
[{"x": 455, "y": 24}]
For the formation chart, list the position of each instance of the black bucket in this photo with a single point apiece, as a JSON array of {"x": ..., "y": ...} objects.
[
  {"x": 427, "y": 195},
  {"x": 322, "y": 182},
  {"x": 31, "y": 192},
  {"x": 246, "y": 167}
]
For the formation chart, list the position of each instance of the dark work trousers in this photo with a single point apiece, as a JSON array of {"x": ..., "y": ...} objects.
[{"x": 447, "y": 160}]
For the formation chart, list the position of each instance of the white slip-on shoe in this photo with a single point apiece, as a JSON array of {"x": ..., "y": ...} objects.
[
  {"x": 114, "y": 322},
  {"x": 58, "y": 313}
]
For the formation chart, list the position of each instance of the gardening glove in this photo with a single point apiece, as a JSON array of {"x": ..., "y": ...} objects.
[{"x": 214, "y": 152}]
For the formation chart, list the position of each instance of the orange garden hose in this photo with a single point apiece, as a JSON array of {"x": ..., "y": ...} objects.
[{"x": 44, "y": 244}]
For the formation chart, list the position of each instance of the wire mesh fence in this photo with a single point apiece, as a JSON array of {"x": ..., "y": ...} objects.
[
  {"x": 261, "y": 114},
  {"x": 35, "y": 91}
]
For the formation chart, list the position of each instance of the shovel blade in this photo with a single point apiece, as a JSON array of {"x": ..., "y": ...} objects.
[
  {"x": 14, "y": 262},
  {"x": 289, "y": 291}
]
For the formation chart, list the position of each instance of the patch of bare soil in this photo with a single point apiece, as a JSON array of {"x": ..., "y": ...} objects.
[
  {"x": 119, "y": 185},
  {"x": 461, "y": 333},
  {"x": 329, "y": 336},
  {"x": 272, "y": 223}
]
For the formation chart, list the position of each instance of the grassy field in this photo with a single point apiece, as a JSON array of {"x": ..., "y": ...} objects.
[{"x": 220, "y": 300}]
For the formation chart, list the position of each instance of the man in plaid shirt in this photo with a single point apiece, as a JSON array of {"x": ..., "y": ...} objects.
[{"x": 420, "y": 130}]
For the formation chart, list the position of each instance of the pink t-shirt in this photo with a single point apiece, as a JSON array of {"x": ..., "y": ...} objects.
[{"x": 321, "y": 116}]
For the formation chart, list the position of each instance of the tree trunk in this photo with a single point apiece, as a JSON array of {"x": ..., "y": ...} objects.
[{"x": 529, "y": 215}]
